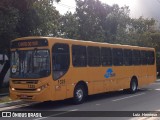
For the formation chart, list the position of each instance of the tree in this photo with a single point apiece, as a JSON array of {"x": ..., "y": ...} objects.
[
  {"x": 101, "y": 22},
  {"x": 139, "y": 32},
  {"x": 118, "y": 21},
  {"x": 90, "y": 15},
  {"x": 68, "y": 26},
  {"x": 9, "y": 18},
  {"x": 40, "y": 18},
  {"x": 19, "y": 18},
  {"x": 155, "y": 37}
]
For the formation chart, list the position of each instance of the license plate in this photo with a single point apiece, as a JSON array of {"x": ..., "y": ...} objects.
[{"x": 23, "y": 96}]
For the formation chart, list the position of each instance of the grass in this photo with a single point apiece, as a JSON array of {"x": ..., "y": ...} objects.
[
  {"x": 5, "y": 99},
  {"x": 158, "y": 77},
  {"x": 4, "y": 90}
]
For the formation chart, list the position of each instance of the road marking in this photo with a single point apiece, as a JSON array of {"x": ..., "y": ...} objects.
[
  {"x": 155, "y": 83},
  {"x": 128, "y": 97},
  {"x": 157, "y": 89},
  {"x": 150, "y": 89},
  {"x": 74, "y": 110},
  {"x": 54, "y": 115},
  {"x": 98, "y": 104}
]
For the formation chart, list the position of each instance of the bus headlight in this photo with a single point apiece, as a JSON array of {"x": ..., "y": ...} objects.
[
  {"x": 42, "y": 87},
  {"x": 12, "y": 89},
  {"x": 38, "y": 89}
]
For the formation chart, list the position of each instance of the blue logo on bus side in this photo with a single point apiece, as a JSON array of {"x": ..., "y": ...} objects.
[{"x": 109, "y": 73}]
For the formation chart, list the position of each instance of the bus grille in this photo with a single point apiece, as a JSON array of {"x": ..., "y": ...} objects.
[
  {"x": 25, "y": 81},
  {"x": 19, "y": 89}
]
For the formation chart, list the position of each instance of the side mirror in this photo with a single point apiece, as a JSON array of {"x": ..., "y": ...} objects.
[
  {"x": 35, "y": 51},
  {"x": 3, "y": 58}
]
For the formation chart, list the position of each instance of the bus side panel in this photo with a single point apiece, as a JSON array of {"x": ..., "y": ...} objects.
[
  {"x": 70, "y": 90},
  {"x": 137, "y": 73},
  {"x": 122, "y": 75},
  {"x": 96, "y": 79},
  {"x": 151, "y": 73},
  {"x": 143, "y": 76},
  {"x": 128, "y": 72},
  {"x": 73, "y": 76},
  {"x": 60, "y": 91}
]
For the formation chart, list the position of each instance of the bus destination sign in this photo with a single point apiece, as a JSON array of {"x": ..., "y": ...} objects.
[{"x": 29, "y": 43}]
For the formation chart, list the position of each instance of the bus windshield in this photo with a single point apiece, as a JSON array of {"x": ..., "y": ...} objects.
[{"x": 30, "y": 64}]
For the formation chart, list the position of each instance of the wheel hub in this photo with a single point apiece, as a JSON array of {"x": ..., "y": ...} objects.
[{"x": 79, "y": 94}]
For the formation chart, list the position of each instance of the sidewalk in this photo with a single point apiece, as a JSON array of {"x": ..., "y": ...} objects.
[{"x": 5, "y": 101}]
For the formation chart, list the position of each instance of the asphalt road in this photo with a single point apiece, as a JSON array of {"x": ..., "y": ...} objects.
[{"x": 96, "y": 106}]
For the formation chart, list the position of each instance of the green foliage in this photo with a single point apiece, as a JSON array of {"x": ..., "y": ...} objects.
[
  {"x": 8, "y": 20},
  {"x": 155, "y": 40},
  {"x": 68, "y": 26},
  {"x": 19, "y": 18},
  {"x": 139, "y": 32},
  {"x": 91, "y": 15},
  {"x": 47, "y": 18},
  {"x": 118, "y": 21},
  {"x": 92, "y": 20},
  {"x": 100, "y": 22}
]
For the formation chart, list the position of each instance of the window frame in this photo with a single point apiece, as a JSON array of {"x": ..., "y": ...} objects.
[
  {"x": 89, "y": 55},
  {"x": 153, "y": 57},
  {"x": 139, "y": 58},
  {"x": 109, "y": 57},
  {"x": 125, "y": 57},
  {"x": 53, "y": 62},
  {"x": 85, "y": 56},
  {"x": 144, "y": 57},
  {"x": 117, "y": 58}
]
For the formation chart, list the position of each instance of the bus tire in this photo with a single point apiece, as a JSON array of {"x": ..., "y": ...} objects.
[
  {"x": 79, "y": 94},
  {"x": 133, "y": 86}
]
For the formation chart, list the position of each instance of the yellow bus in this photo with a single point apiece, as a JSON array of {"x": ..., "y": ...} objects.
[{"x": 49, "y": 68}]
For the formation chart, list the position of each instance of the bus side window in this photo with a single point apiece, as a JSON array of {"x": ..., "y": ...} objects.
[
  {"x": 60, "y": 60},
  {"x": 151, "y": 58},
  {"x": 136, "y": 57},
  {"x": 79, "y": 56},
  {"x": 127, "y": 57},
  {"x": 106, "y": 56},
  {"x": 93, "y": 56},
  {"x": 144, "y": 57},
  {"x": 117, "y": 56}
]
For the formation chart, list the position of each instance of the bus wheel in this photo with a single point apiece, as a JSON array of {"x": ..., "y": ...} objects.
[
  {"x": 79, "y": 94},
  {"x": 133, "y": 86}
]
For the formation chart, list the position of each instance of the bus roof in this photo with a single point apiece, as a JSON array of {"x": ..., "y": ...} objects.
[{"x": 80, "y": 41}]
